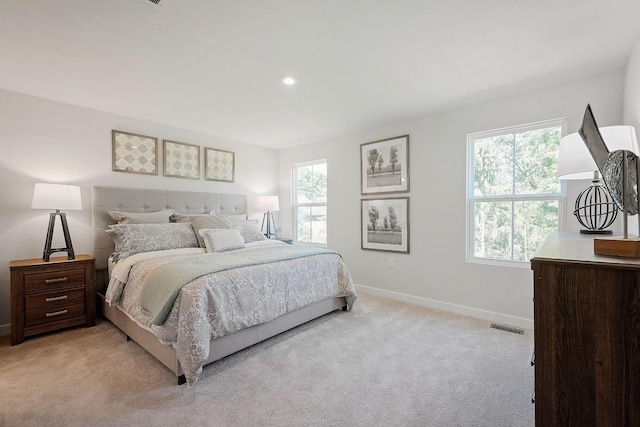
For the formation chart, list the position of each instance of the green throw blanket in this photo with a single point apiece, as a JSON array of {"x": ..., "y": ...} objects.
[{"x": 163, "y": 284}]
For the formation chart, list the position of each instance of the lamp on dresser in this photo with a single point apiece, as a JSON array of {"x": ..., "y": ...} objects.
[
  {"x": 594, "y": 209},
  {"x": 268, "y": 204},
  {"x": 57, "y": 197}
]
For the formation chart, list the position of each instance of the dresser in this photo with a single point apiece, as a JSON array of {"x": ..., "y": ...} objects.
[
  {"x": 587, "y": 335},
  {"x": 46, "y": 296}
]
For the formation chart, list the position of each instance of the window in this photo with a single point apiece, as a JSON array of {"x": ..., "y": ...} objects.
[
  {"x": 310, "y": 202},
  {"x": 513, "y": 195}
]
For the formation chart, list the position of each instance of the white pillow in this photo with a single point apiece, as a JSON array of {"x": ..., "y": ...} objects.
[{"x": 221, "y": 240}]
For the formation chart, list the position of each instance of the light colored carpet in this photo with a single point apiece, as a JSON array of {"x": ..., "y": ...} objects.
[{"x": 386, "y": 363}]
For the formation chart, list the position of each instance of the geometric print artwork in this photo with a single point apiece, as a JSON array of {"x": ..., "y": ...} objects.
[
  {"x": 134, "y": 153},
  {"x": 219, "y": 165},
  {"x": 181, "y": 160}
]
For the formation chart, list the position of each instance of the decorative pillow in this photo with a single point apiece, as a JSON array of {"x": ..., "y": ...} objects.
[
  {"x": 188, "y": 217},
  {"x": 234, "y": 218},
  {"x": 221, "y": 240},
  {"x": 249, "y": 230},
  {"x": 135, "y": 238},
  {"x": 157, "y": 217},
  {"x": 208, "y": 221}
]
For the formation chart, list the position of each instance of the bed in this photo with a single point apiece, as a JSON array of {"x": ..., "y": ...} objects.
[{"x": 188, "y": 305}]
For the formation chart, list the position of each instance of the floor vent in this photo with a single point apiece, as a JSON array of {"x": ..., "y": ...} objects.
[{"x": 507, "y": 328}]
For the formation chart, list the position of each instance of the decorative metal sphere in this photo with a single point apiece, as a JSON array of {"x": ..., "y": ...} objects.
[{"x": 595, "y": 208}]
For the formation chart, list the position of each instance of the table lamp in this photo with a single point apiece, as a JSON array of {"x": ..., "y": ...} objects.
[
  {"x": 269, "y": 204},
  {"x": 57, "y": 197}
]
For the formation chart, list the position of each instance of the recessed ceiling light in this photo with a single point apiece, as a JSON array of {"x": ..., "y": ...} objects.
[{"x": 288, "y": 80}]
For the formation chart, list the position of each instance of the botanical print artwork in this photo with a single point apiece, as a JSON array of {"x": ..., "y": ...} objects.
[
  {"x": 385, "y": 224},
  {"x": 384, "y": 166},
  {"x": 385, "y": 230}
]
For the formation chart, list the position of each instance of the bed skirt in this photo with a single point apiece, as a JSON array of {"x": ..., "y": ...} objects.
[{"x": 220, "y": 347}]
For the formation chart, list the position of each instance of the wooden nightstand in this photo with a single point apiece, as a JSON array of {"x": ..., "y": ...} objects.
[{"x": 46, "y": 296}]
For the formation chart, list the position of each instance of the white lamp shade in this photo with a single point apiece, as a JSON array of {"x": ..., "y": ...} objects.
[
  {"x": 268, "y": 203},
  {"x": 56, "y": 196},
  {"x": 575, "y": 161}
]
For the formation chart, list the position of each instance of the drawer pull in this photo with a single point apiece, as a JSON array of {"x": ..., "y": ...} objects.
[
  {"x": 60, "y": 298},
  {"x": 57, "y": 313},
  {"x": 60, "y": 279}
]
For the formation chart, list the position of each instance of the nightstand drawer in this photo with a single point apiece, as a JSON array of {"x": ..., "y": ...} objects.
[
  {"x": 54, "y": 314},
  {"x": 51, "y": 300},
  {"x": 53, "y": 280}
]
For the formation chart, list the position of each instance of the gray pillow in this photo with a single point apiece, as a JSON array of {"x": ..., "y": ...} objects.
[
  {"x": 188, "y": 217},
  {"x": 131, "y": 239},
  {"x": 208, "y": 221},
  {"x": 157, "y": 217},
  {"x": 234, "y": 218},
  {"x": 249, "y": 230}
]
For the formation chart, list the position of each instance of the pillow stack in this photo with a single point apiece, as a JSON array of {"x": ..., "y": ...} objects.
[{"x": 138, "y": 232}]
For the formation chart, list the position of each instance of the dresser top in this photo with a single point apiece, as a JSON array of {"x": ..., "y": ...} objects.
[{"x": 578, "y": 248}]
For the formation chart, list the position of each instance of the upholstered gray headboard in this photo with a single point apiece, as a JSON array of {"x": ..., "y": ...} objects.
[{"x": 105, "y": 199}]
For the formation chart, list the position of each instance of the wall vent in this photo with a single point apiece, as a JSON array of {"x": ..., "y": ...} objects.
[
  {"x": 157, "y": 3},
  {"x": 507, "y": 328}
]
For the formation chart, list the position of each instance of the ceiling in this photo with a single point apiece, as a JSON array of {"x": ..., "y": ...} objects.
[{"x": 215, "y": 66}]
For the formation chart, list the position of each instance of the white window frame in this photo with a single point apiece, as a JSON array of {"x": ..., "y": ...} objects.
[
  {"x": 295, "y": 204},
  {"x": 471, "y": 198}
]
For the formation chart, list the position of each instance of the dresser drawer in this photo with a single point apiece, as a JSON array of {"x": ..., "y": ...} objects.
[
  {"x": 53, "y": 300},
  {"x": 56, "y": 279},
  {"x": 53, "y": 315}
]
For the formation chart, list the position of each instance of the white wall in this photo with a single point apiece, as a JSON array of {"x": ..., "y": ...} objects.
[
  {"x": 435, "y": 273},
  {"x": 46, "y": 141},
  {"x": 632, "y": 88}
]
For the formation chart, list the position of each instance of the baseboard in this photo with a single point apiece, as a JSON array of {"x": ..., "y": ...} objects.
[
  {"x": 491, "y": 316},
  {"x": 5, "y": 329}
]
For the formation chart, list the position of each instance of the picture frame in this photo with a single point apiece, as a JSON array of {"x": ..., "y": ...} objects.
[
  {"x": 134, "y": 153},
  {"x": 219, "y": 165},
  {"x": 384, "y": 166},
  {"x": 181, "y": 160},
  {"x": 385, "y": 224}
]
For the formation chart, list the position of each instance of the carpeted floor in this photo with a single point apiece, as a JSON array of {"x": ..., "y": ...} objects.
[{"x": 385, "y": 363}]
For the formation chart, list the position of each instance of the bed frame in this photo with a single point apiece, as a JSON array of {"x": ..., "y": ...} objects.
[{"x": 105, "y": 199}]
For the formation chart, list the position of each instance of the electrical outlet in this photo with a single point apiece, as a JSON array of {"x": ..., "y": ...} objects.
[{"x": 392, "y": 263}]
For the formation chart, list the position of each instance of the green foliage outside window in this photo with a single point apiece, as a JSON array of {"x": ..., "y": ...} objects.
[
  {"x": 311, "y": 203},
  {"x": 515, "y": 193}
]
